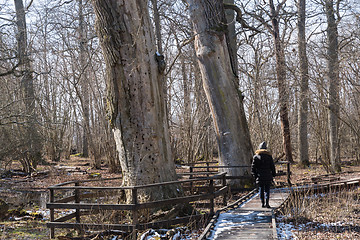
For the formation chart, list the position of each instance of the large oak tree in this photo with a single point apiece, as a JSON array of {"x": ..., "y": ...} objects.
[
  {"x": 219, "y": 82},
  {"x": 135, "y": 98}
]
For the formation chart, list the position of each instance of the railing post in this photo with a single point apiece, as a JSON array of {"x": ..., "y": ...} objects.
[
  {"x": 211, "y": 191},
  {"x": 224, "y": 184},
  {"x": 207, "y": 166},
  {"x": 52, "y": 218},
  {"x": 77, "y": 200},
  {"x": 134, "y": 214},
  {"x": 78, "y": 211},
  {"x": 191, "y": 183}
]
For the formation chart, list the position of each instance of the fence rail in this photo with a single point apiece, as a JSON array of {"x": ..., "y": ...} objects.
[
  {"x": 208, "y": 169},
  {"x": 81, "y": 193}
]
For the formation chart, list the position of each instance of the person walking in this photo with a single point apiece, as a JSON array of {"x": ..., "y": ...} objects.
[{"x": 263, "y": 170}]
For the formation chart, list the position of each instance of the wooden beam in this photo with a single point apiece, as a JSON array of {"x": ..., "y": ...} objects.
[
  {"x": 90, "y": 206},
  {"x": 88, "y": 226}
]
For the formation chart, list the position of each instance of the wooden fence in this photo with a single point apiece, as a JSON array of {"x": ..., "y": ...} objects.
[
  {"x": 212, "y": 167},
  {"x": 84, "y": 201}
]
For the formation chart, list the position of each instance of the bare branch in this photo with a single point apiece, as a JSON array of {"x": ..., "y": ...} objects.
[
  {"x": 279, "y": 6},
  {"x": 11, "y": 71},
  {"x": 239, "y": 17},
  {"x": 178, "y": 54},
  {"x": 29, "y": 5}
]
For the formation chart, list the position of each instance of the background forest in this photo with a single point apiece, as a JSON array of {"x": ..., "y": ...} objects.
[{"x": 53, "y": 93}]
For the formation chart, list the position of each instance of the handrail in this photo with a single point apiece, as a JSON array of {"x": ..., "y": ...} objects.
[
  {"x": 133, "y": 207},
  {"x": 138, "y": 205},
  {"x": 64, "y": 183},
  {"x": 82, "y": 181},
  {"x": 281, "y": 162},
  {"x": 240, "y": 166},
  {"x": 217, "y": 176},
  {"x": 194, "y": 163},
  {"x": 97, "y": 180}
]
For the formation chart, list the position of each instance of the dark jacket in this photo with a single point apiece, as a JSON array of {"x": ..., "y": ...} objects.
[{"x": 262, "y": 167}]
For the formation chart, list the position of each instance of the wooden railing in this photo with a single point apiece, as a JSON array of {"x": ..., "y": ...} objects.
[
  {"x": 83, "y": 196},
  {"x": 207, "y": 169},
  {"x": 287, "y": 173},
  {"x": 212, "y": 167}
]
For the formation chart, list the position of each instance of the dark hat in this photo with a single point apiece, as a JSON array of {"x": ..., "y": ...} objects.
[{"x": 262, "y": 145}]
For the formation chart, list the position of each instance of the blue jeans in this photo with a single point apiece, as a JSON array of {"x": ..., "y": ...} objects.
[{"x": 264, "y": 190}]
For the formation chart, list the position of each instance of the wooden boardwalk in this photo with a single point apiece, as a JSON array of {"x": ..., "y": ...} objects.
[{"x": 250, "y": 220}]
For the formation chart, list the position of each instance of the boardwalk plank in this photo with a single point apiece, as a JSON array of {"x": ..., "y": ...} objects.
[{"x": 249, "y": 221}]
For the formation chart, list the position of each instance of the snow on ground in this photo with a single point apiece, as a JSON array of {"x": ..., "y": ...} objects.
[
  {"x": 175, "y": 234},
  {"x": 287, "y": 231},
  {"x": 228, "y": 220}
]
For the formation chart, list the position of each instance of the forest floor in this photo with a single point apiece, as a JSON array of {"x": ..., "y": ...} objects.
[{"x": 331, "y": 216}]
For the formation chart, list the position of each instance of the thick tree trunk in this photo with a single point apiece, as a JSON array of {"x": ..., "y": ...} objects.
[
  {"x": 135, "y": 97},
  {"x": 27, "y": 85},
  {"x": 219, "y": 85},
  {"x": 333, "y": 80},
  {"x": 159, "y": 46},
  {"x": 281, "y": 80},
  {"x": 304, "y": 87},
  {"x": 232, "y": 47}
]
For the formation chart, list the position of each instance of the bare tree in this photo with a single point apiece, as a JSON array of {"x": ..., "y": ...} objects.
[
  {"x": 281, "y": 78},
  {"x": 135, "y": 97},
  {"x": 84, "y": 94},
  {"x": 304, "y": 87},
  {"x": 34, "y": 141},
  {"x": 333, "y": 80},
  {"x": 84, "y": 82},
  {"x": 220, "y": 88},
  {"x": 275, "y": 15}
]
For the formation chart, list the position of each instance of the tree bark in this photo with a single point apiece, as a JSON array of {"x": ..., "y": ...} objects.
[
  {"x": 84, "y": 83},
  {"x": 27, "y": 85},
  {"x": 281, "y": 81},
  {"x": 187, "y": 111},
  {"x": 135, "y": 98},
  {"x": 304, "y": 87},
  {"x": 154, "y": 4},
  {"x": 333, "y": 80},
  {"x": 232, "y": 47},
  {"x": 231, "y": 37},
  {"x": 220, "y": 88}
]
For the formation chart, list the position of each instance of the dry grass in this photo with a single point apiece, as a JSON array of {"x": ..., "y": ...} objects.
[
  {"x": 331, "y": 215},
  {"x": 312, "y": 214}
]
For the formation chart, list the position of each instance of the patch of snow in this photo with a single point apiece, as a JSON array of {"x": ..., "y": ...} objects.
[
  {"x": 178, "y": 233},
  {"x": 316, "y": 195},
  {"x": 285, "y": 231}
]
